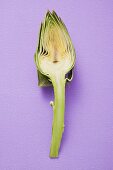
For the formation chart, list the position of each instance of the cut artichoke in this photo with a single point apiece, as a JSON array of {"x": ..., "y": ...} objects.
[{"x": 55, "y": 59}]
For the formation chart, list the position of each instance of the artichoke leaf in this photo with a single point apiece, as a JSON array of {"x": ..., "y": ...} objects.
[{"x": 43, "y": 81}]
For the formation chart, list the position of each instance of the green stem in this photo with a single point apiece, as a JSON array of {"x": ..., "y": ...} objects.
[{"x": 58, "y": 117}]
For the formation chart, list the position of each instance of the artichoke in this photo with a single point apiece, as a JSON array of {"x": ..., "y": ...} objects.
[{"x": 55, "y": 59}]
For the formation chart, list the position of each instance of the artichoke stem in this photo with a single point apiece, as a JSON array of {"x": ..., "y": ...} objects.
[{"x": 58, "y": 116}]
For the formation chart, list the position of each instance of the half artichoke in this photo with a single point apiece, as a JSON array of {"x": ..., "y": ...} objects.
[{"x": 55, "y": 59}]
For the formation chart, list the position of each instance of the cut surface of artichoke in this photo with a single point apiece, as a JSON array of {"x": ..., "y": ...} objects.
[
  {"x": 56, "y": 52},
  {"x": 55, "y": 58}
]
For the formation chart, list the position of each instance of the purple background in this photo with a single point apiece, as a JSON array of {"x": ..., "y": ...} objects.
[{"x": 25, "y": 113}]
